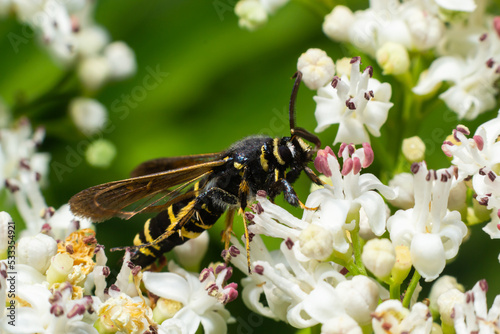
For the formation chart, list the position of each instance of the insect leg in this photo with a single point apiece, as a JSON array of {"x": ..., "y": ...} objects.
[
  {"x": 247, "y": 239},
  {"x": 228, "y": 230},
  {"x": 309, "y": 172}
]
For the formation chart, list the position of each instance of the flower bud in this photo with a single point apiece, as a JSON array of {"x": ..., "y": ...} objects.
[
  {"x": 88, "y": 114},
  {"x": 343, "y": 67},
  {"x": 336, "y": 24},
  {"x": 403, "y": 186},
  {"x": 190, "y": 253},
  {"x": 100, "y": 153},
  {"x": 166, "y": 309},
  {"x": 341, "y": 324},
  {"x": 316, "y": 67},
  {"x": 37, "y": 251},
  {"x": 316, "y": 242},
  {"x": 413, "y": 149},
  {"x": 359, "y": 297},
  {"x": 446, "y": 302},
  {"x": 442, "y": 285},
  {"x": 94, "y": 72},
  {"x": 458, "y": 197},
  {"x": 251, "y": 14},
  {"x": 393, "y": 58},
  {"x": 379, "y": 257},
  {"x": 403, "y": 264},
  {"x": 91, "y": 40},
  {"x": 60, "y": 268},
  {"x": 121, "y": 60},
  {"x": 5, "y": 220}
]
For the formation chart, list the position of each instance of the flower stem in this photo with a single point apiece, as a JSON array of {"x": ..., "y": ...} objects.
[
  {"x": 316, "y": 329},
  {"x": 357, "y": 247},
  {"x": 411, "y": 289},
  {"x": 395, "y": 291}
]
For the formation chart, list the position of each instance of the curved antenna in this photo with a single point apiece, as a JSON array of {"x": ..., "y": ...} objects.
[
  {"x": 298, "y": 78},
  {"x": 296, "y": 131}
]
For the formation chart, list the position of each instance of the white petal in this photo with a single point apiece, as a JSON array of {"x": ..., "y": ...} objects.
[
  {"x": 374, "y": 206},
  {"x": 375, "y": 116},
  {"x": 323, "y": 303},
  {"x": 428, "y": 255},
  {"x": 167, "y": 285},
  {"x": 213, "y": 323},
  {"x": 351, "y": 130},
  {"x": 442, "y": 69}
]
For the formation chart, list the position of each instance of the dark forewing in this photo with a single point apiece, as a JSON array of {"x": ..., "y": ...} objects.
[
  {"x": 166, "y": 164},
  {"x": 109, "y": 199}
]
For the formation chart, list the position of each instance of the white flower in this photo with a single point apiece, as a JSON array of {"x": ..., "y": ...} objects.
[
  {"x": 49, "y": 311},
  {"x": 391, "y": 314},
  {"x": 121, "y": 60},
  {"x": 88, "y": 114},
  {"x": 472, "y": 314},
  {"x": 472, "y": 79},
  {"x": 284, "y": 281},
  {"x": 316, "y": 67},
  {"x": 198, "y": 307},
  {"x": 349, "y": 192},
  {"x": 432, "y": 233},
  {"x": 359, "y": 105}
]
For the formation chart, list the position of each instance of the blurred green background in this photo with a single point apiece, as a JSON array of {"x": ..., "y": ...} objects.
[{"x": 220, "y": 84}]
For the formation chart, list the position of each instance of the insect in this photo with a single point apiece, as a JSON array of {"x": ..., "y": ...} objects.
[{"x": 192, "y": 192}]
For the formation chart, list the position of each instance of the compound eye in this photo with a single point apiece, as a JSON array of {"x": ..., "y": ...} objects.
[{"x": 285, "y": 153}]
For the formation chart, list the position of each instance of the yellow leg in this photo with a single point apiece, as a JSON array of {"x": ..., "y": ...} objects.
[
  {"x": 304, "y": 207},
  {"x": 247, "y": 239}
]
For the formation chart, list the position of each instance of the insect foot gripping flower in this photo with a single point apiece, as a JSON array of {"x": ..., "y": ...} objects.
[
  {"x": 359, "y": 104},
  {"x": 316, "y": 67},
  {"x": 472, "y": 79},
  {"x": 431, "y": 232},
  {"x": 392, "y": 317},
  {"x": 188, "y": 299},
  {"x": 472, "y": 315}
]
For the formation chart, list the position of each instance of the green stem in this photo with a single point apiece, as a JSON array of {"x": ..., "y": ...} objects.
[
  {"x": 411, "y": 289},
  {"x": 316, "y": 329},
  {"x": 357, "y": 247},
  {"x": 395, "y": 291}
]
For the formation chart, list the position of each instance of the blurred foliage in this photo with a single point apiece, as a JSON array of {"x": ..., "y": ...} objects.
[{"x": 221, "y": 84}]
